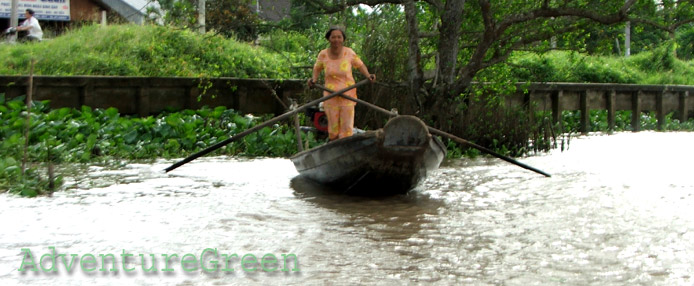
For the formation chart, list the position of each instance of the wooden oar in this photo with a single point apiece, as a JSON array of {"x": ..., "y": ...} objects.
[
  {"x": 259, "y": 126},
  {"x": 444, "y": 134}
]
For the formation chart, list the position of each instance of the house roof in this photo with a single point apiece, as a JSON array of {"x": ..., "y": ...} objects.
[{"x": 133, "y": 10}]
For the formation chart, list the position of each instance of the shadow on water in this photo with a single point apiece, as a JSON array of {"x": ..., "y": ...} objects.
[{"x": 394, "y": 217}]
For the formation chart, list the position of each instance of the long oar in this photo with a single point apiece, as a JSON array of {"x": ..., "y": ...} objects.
[
  {"x": 259, "y": 126},
  {"x": 444, "y": 134}
]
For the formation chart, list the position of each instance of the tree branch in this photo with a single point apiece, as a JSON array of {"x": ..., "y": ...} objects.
[
  {"x": 669, "y": 28},
  {"x": 436, "y": 3},
  {"x": 620, "y": 15},
  {"x": 326, "y": 8}
]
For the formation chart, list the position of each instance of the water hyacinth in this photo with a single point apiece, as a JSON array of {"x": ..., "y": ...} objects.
[{"x": 102, "y": 136}]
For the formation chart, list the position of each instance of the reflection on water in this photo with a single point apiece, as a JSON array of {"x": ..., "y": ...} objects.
[
  {"x": 618, "y": 210},
  {"x": 399, "y": 218}
]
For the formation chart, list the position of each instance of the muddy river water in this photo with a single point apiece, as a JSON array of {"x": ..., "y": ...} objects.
[{"x": 618, "y": 210}]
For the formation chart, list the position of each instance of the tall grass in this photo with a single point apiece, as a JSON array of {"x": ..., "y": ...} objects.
[
  {"x": 149, "y": 50},
  {"x": 132, "y": 50},
  {"x": 659, "y": 66}
]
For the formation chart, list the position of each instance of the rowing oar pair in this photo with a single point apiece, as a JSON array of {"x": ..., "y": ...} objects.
[
  {"x": 340, "y": 93},
  {"x": 433, "y": 130}
]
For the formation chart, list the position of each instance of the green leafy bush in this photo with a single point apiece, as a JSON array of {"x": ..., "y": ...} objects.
[
  {"x": 148, "y": 50},
  {"x": 659, "y": 66},
  {"x": 89, "y": 135}
]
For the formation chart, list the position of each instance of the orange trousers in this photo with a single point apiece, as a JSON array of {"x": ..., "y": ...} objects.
[{"x": 340, "y": 120}]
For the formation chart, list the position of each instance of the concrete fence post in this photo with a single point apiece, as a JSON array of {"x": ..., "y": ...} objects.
[
  {"x": 585, "y": 112},
  {"x": 143, "y": 108},
  {"x": 556, "y": 108},
  {"x": 636, "y": 111},
  {"x": 683, "y": 106},
  {"x": 610, "y": 101},
  {"x": 659, "y": 111}
]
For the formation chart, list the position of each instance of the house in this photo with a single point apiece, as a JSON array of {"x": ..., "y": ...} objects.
[{"x": 56, "y": 15}]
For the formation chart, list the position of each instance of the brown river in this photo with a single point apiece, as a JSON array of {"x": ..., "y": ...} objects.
[{"x": 618, "y": 210}]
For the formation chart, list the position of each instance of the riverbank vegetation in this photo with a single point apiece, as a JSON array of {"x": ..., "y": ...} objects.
[
  {"x": 406, "y": 45},
  {"x": 658, "y": 66},
  {"x": 149, "y": 50},
  {"x": 104, "y": 136}
]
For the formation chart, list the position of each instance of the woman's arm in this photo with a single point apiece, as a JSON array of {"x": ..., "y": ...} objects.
[
  {"x": 316, "y": 74},
  {"x": 365, "y": 71}
]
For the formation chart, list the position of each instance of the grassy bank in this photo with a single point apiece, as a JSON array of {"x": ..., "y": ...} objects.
[
  {"x": 148, "y": 50},
  {"x": 656, "y": 67},
  {"x": 132, "y": 50}
]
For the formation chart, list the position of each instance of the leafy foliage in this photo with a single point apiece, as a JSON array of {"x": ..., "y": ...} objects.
[
  {"x": 297, "y": 48},
  {"x": 130, "y": 50},
  {"x": 89, "y": 135},
  {"x": 178, "y": 13},
  {"x": 233, "y": 18},
  {"x": 657, "y": 67}
]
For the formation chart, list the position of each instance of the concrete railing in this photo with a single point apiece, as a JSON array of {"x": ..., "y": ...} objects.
[
  {"x": 148, "y": 95},
  {"x": 584, "y": 97}
]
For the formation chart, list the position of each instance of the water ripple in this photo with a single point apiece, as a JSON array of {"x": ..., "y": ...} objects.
[{"x": 617, "y": 211}]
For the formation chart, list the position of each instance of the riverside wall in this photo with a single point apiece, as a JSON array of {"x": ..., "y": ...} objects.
[{"x": 150, "y": 95}]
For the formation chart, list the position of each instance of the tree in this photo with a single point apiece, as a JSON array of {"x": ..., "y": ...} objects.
[
  {"x": 232, "y": 18},
  {"x": 470, "y": 36},
  {"x": 235, "y": 18},
  {"x": 179, "y": 13},
  {"x": 668, "y": 16}
]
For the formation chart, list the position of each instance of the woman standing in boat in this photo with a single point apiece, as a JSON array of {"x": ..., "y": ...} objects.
[{"x": 338, "y": 61}]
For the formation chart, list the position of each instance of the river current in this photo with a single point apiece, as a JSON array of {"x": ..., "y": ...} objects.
[{"x": 618, "y": 210}]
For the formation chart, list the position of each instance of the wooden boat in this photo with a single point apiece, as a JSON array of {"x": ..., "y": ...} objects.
[{"x": 388, "y": 161}]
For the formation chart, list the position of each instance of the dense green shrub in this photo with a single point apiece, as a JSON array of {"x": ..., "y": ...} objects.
[
  {"x": 656, "y": 67},
  {"x": 89, "y": 135},
  {"x": 132, "y": 50}
]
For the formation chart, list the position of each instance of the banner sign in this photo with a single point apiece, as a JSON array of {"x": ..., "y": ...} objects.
[{"x": 54, "y": 10}]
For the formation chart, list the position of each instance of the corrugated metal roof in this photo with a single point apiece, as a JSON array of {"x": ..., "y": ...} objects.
[{"x": 133, "y": 10}]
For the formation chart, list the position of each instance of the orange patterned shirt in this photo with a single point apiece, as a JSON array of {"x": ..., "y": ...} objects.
[{"x": 338, "y": 74}]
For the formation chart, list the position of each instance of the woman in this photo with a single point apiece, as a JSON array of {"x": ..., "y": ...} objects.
[{"x": 338, "y": 61}]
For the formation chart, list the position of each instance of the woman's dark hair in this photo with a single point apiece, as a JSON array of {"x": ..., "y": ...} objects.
[
  {"x": 327, "y": 35},
  {"x": 31, "y": 12}
]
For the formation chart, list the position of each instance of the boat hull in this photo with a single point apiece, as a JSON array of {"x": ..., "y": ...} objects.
[{"x": 388, "y": 161}]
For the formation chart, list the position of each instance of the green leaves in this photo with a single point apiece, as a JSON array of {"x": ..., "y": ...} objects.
[
  {"x": 655, "y": 67},
  {"x": 100, "y": 136},
  {"x": 148, "y": 50}
]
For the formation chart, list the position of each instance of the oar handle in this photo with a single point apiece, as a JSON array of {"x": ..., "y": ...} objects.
[
  {"x": 444, "y": 134},
  {"x": 260, "y": 126}
]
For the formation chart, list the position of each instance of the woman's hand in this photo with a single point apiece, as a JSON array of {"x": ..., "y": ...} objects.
[
  {"x": 310, "y": 82},
  {"x": 372, "y": 77}
]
